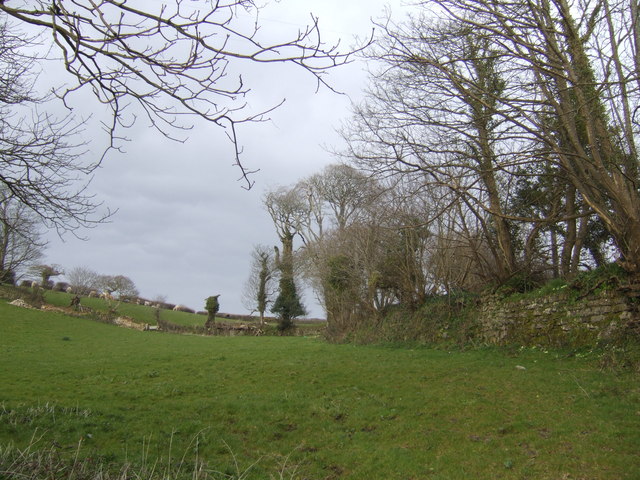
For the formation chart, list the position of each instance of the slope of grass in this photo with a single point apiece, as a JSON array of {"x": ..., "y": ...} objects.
[
  {"x": 331, "y": 411},
  {"x": 141, "y": 313}
]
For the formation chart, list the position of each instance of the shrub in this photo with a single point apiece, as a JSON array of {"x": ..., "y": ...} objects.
[
  {"x": 521, "y": 283},
  {"x": 212, "y": 306},
  {"x": 603, "y": 278},
  {"x": 34, "y": 297},
  {"x": 60, "y": 287},
  {"x": 287, "y": 306},
  {"x": 183, "y": 308}
]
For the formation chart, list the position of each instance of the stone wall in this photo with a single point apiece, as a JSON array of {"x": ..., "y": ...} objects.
[{"x": 559, "y": 321}]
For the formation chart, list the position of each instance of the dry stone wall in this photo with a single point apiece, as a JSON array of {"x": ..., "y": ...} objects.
[{"x": 559, "y": 321}]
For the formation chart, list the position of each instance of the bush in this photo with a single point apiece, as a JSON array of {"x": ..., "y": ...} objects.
[
  {"x": 603, "y": 278},
  {"x": 212, "y": 305},
  {"x": 60, "y": 287},
  {"x": 440, "y": 321},
  {"x": 521, "y": 283},
  {"x": 183, "y": 308},
  {"x": 33, "y": 296}
]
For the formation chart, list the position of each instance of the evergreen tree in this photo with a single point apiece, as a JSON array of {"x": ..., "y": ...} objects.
[
  {"x": 212, "y": 306},
  {"x": 288, "y": 305}
]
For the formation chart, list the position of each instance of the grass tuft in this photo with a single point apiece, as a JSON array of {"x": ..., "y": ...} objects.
[{"x": 37, "y": 463}]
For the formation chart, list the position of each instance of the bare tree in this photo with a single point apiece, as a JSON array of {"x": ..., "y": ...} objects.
[
  {"x": 120, "y": 285},
  {"x": 431, "y": 112},
  {"x": 260, "y": 286},
  {"x": 288, "y": 209},
  {"x": 320, "y": 210},
  {"x": 171, "y": 59},
  {"x": 21, "y": 243},
  {"x": 346, "y": 193},
  {"x": 83, "y": 280},
  {"x": 360, "y": 270},
  {"x": 335, "y": 198}
]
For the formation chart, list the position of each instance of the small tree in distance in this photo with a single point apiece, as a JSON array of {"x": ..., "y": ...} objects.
[
  {"x": 21, "y": 244},
  {"x": 260, "y": 284},
  {"x": 45, "y": 272},
  {"x": 212, "y": 306},
  {"x": 119, "y": 285},
  {"x": 83, "y": 280}
]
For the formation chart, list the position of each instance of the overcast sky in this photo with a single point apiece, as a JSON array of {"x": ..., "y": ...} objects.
[{"x": 185, "y": 227}]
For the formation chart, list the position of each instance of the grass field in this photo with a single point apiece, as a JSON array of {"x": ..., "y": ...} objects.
[{"x": 254, "y": 407}]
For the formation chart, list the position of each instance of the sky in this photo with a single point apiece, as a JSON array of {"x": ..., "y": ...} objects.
[{"x": 185, "y": 227}]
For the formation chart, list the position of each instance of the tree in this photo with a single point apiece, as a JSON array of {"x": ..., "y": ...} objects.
[
  {"x": 404, "y": 263},
  {"x": 577, "y": 66},
  {"x": 21, "y": 245},
  {"x": 336, "y": 199},
  {"x": 259, "y": 287},
  {"x": 486, "y": 95},
  {"x": 432, "y": 113},
  {"x": 340, "y": 274},
  {"x": 212, "y": 305},
  {"x": 339, "y": 193},
  {"x": 45, "y": 272},
  {"x": 288, "y": 210},
  {"x": 119, "y": 285},
  {"x": 83, "y": 280},
  {"x": 566, "y": 236},
  {"x": 171, "y": 59},
  {"x": 287, "y": 305}
]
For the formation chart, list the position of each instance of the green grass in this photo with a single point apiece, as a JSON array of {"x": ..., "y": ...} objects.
[
  {"x": 332, "y": 411},
  {"x": 141, "y": 313}
]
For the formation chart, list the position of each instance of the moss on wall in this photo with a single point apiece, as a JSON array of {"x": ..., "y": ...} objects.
[{"x": 557, "y": 320}]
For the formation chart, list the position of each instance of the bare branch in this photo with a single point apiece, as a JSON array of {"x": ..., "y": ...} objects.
[{"x": 171, "y": 59}]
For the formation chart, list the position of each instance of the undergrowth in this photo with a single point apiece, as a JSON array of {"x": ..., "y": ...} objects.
[
  {"x": 33, "y": 296},
  {"x": 442, "y": 321},
  {"x": 607, "y": 277}
]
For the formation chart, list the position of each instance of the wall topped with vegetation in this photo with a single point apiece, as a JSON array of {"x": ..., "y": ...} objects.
[
  {"x": 598, "y": 308},
  {"x": 558, "y": 320}
]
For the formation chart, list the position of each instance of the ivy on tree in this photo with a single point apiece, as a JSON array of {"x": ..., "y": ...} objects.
[
  {"x": 287, "y": 306},
  {"x": 212, "y": 306}
]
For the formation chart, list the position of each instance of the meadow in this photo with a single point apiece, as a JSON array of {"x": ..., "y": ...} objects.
[{"x": 300, "y": 408}]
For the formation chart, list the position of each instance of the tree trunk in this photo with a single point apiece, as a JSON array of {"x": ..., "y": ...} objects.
[
  {"x": 555, "y": 261},
  {"x": 581, "y": 236},
  {"x": 571, "y": 233}
]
